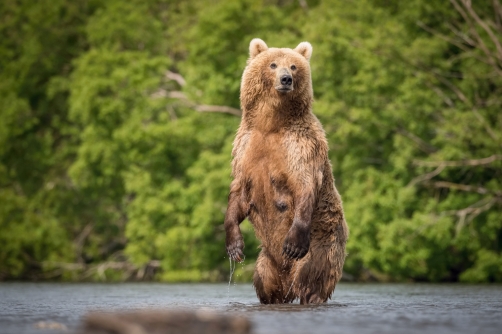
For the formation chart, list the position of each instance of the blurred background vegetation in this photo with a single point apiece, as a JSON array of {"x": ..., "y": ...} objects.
[{"x": 117, "y": 120}]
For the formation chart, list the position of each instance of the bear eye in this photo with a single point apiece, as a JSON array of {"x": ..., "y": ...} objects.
[
  {"x": 293, "y": 67},
  {"x": 273, "y": 66}
]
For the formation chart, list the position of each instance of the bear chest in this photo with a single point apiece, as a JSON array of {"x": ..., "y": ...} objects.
[{"x": 266, "y": 153}]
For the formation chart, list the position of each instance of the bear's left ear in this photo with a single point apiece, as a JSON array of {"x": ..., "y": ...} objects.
[
  {"x": 305, "y": 49},
  {"x": 256, "y": 47}
]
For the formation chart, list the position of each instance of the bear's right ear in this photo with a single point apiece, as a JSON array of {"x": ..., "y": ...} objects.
[
  {"x": 256, "y": 47},
  {"x": 305, "y": 49}
]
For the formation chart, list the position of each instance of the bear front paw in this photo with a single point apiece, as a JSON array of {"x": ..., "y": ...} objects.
[
  {"x": 297, "y": 243},
  {"x": 235, "y": 247}
]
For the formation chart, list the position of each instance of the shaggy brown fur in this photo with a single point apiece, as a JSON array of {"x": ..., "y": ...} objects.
[{"x": 283, "y": 181}]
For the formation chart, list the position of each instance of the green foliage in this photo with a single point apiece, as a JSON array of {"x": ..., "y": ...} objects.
[
  {"x": 105, "y": 158},
  {"x": 404, "y": 95},
  {"x": 28, "y": 237}
]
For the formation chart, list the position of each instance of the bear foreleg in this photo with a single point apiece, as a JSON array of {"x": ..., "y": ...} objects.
[
  {"x": 237, "y": 211},
  {"x": 297, "y": 241}
]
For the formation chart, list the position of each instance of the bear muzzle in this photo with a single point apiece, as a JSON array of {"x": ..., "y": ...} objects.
[{"x": 284, "y": 81}]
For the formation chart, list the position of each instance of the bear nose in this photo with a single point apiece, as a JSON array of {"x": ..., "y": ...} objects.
[{"x": 286, "y": 80}]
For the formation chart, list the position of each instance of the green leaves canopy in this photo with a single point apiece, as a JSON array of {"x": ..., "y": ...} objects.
[{"x": 108, "y": 165}]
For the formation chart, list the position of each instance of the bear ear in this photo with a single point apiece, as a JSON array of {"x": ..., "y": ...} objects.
[
  {"x": 305, "y": 49},
  {"x": 256, "y": 47}
]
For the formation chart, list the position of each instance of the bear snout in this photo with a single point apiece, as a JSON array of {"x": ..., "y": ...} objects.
[{"x": 284, "y": 81}]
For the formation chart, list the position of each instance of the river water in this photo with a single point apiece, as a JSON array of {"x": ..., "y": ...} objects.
[{"x": 354, "y": 308}]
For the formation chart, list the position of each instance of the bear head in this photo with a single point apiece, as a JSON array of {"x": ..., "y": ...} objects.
[{"x": 277, "y": 76}]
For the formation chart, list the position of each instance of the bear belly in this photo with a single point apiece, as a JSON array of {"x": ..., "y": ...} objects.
[{"x": 270, "y": 194}]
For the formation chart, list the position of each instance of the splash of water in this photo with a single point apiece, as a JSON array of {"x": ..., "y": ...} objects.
[
  {"x": 242, "y": 270},
  {"x": 232, "y": 269}
]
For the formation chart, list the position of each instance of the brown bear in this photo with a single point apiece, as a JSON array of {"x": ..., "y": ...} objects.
[{"x": 282, "y": 181}]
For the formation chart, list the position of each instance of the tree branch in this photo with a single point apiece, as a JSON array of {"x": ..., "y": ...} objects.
[
  {"x": 490, "y": 61},
  {"x": 223, "y": 109},
  {"x": 176, "y": 77},
  {"x": 445, "y": 38},
  {"x": 468, "y": 214},
  {"x": 464, "y": 38},
  {"x": 80, "y": 240},
  {"x": 303, "y": 4},
  {"x": 459, "y": 163},
  {"x": 464, "y": 187},
  {"x": 454, "y": 88},
  {"x": 441, "y": 94},
  {"x": 474, "y": 32},
  {"x": 427, "y": 176},
  {"x": 497, "y": 9},
  {"x": 487, "y": 127},
  {"x": 464, "y": 99},
  {"x": 423, "y": 145},
  {"x": 482, "y": 24},
  {"x": 162, "y": 93}
]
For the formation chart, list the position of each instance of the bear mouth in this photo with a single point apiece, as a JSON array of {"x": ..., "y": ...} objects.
[{"x": 284, "y": 89}]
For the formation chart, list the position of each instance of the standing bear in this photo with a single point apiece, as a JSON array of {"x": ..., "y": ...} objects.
[{"x": 282, "y": 181}]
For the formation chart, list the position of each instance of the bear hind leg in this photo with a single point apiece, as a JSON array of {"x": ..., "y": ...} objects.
[
  {"x": 313, "y": 298},
  {"x": 267, "y": 281},
  {"x": 318, "y": 276}
]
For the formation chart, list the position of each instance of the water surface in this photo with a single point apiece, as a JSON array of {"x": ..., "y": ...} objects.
[{"x": 354, "y": 308}]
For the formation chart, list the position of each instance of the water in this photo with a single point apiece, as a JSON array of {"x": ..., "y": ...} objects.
[
  {"x": 232, "y": 269},
  {"x": 355, "y": 308}
]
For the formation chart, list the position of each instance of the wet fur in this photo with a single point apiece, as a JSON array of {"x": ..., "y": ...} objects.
[{"x": 282, "y": 181}]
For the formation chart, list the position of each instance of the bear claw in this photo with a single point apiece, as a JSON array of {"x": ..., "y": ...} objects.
[
  {"x": 235, "y": 250},
  {"x": 296, "y": 244},
  {"x": 292, "y": 252}
]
